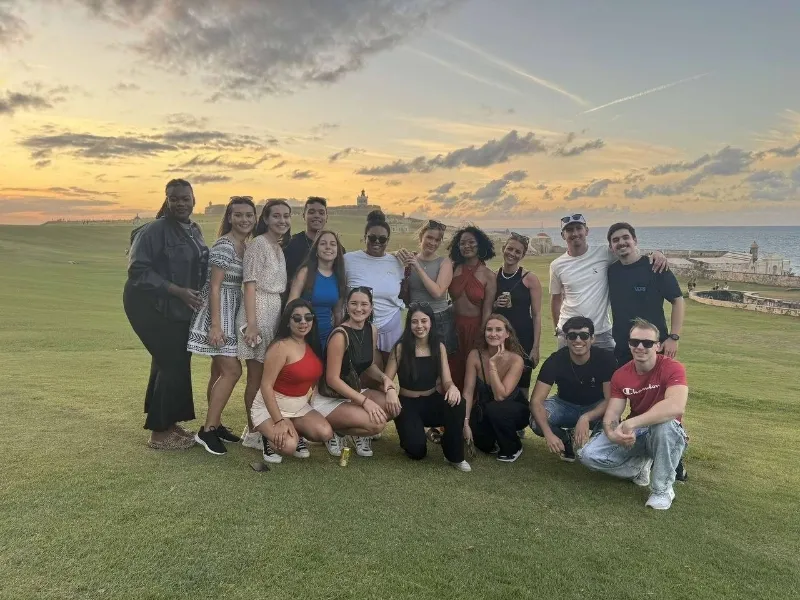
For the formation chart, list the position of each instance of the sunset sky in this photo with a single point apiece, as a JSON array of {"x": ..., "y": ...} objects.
[{"x": 498, "y": 111}]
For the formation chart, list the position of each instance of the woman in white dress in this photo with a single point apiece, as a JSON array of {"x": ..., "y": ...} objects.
[
  {"x": 213, "y": 329},
  {"x": 264, "y": 277}
]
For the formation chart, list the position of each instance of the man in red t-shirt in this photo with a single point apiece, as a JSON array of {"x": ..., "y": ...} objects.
[{"x": 652, "y": 436}]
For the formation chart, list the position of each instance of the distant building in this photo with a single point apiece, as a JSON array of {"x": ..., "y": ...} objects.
[
  {"x": 363, "y": 200},
  {"x": 137, "y": 220},
  {"x": 213, "y": 210},
  {"x": 542, "y": 243}
]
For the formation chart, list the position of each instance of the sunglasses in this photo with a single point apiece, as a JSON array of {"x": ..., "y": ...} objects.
[
  {"x": 307, "y": 317},
  {"x": 520, "y": 238},
  {"x": 574, "y": 335},
  {"x": 361, "y": 288},
  {"x": 380, "y": 239},
  {"x": 634, "y": 343},
  {"x": 436, "y": 225},
  {"x": 416, "y": 305},
  {"x": 238, "y": 198}
]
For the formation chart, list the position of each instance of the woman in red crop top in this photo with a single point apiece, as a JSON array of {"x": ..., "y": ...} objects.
[{"x": 281, "y": 412}]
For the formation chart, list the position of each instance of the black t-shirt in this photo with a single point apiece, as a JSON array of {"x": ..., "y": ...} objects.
[
  {"x": 579, "y": 384},
  {"x": 296, "y": 252},
  {"x": 636, "y": 291}
]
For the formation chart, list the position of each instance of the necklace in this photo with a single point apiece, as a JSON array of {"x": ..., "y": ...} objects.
[
  {"x": 503, "y": 273},
  {"x": 572, "y": 366},
  {"x": 359, "y": 339},
  {"x": 309, "y": 241}
]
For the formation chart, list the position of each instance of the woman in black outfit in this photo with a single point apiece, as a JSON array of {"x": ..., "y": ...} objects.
[
  {"x": 428, "y": 396},
  {"x": 167, "y": 266},
  {"x": 519, "y": 299}
]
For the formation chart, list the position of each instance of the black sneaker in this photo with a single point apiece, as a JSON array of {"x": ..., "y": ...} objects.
[
  {"x": 209, "y": 440},
  {"x": 569, "y": 451},
  {"x": 509, "y": 457},
  {"x": 680, "y": 472},
  {"x": 226, "y": 435},
  {"x": 269, "y": 454},
  {"x": 302, "y": 450}
]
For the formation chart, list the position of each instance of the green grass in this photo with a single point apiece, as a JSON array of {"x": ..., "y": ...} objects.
[{"x": 89, "y": 512}]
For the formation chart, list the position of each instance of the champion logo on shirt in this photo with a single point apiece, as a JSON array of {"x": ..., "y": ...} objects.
[{"x": 632, "y": 392}]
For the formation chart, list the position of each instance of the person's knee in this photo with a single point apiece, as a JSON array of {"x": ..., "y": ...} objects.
[
  {"x": 374, "y": 428},
  {"x": 321, "y": 432},
  {"x": 416, "y": 450},
  {"x": 232, "y": 371},
  {"x": 289, "y": 446}
]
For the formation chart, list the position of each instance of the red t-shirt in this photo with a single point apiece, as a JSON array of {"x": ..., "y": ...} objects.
[{"x": 644, "y": 390}]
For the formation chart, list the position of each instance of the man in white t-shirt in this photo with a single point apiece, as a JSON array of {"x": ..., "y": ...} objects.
[{"x": 579, "y": 281}]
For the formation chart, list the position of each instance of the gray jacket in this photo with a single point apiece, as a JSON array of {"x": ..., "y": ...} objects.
[{"x": 162, "y": 252}]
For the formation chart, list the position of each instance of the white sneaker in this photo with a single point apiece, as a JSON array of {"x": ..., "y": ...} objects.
[
  {"x": 661, "y": 501},
  {"x": 642, "y": 478},
  {"x": 269, "y": 454},
  {"x": 251, "y": 439},
  {"x": 461, "y": 466},
  {"x": 363, "y": 446},
  {"x": 302, "y": 450},
  {"x": 377, "y": 436},
  {"x": 334, "y": 445}
]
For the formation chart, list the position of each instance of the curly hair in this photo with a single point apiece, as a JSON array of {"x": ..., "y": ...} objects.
[{"x": 485, "y": 245}]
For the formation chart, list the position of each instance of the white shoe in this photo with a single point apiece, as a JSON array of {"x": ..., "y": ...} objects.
[
  {"x": 377, "y": 436},
  {"x": 363, "y": 446},
  {"x": 642, "y": 478},
  {"x": 334, "y": 445},
  {"x": 302, "y": 450},
  {"x": 269, "y": 454},
  {"x": 661, "y": 501},
  {"x": 251, "y": 439},
  {"x": 461, "y": 466}
]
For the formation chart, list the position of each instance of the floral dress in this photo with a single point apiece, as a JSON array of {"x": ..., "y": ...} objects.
[
  {"x": 265, "y": 265},
  {"x": 223, "y": 256}
]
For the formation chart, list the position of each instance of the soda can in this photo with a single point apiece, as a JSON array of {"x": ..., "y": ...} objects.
[{"x": 345, "y": 456}]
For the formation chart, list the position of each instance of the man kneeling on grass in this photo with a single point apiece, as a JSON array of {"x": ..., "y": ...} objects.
[
  {"x": 652, "y": 436},
  {"x": 583, "y": 376}
]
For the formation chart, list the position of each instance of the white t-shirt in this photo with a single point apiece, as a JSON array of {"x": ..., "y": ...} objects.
[
  {"x": 583, "y": 280},
  {"x": 384, "y": 275}
]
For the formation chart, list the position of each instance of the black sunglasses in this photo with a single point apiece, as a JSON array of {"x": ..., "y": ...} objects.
[
  {"x": 576, "y": 218},
  {"x": 381, "y": 239},
  {"x": 238, "y": 198},
  {"x": 307, "y": 317},
  {"x": 634, "y": 343},
  {"x": 574, "y": 335},
  {"x": 520, "y": 238}
]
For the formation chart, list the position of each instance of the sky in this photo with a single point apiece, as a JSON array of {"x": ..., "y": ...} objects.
[{"x": 500, "y": 112}]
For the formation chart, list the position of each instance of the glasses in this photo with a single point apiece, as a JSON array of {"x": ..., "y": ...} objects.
[
  {"x": 238, "y": 198},
  {"x": 417, "y": 305},
  {"x": 520, "y": 238},
  {"x": 361, "y": 288},
  {"x": 307, "y": 317},
  {"x": 380, "y": 239},
  {"x": 574, "y": 335},
  {"x": 569, "y": 219},
  {"x": 436, "y": 225},
  {"x": 634, "y": 343}
]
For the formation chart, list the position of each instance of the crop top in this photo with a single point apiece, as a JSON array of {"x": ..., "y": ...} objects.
[
  {"x": 297, "y": 378},
  {"x": 466, "y": 283},
  {"x": 426, "y": 372}
]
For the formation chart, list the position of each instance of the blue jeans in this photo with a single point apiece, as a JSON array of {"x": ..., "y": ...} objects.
[
  {"x": 563, "y": 415},
  {"x": 663, "y": 443}
]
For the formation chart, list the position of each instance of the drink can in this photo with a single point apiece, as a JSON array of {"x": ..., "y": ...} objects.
[{"x": 345, "y": 456}]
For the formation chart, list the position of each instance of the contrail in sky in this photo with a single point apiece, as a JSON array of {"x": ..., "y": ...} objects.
[
  {"x": 462, "y": 72},
  {"x": 644, "y": 93},
  {"x": 512, "y": 68}
]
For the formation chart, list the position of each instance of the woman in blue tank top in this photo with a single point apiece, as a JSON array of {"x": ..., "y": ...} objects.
[{"x": 321, "y": 281}]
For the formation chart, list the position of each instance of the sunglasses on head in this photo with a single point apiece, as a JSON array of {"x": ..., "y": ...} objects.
[
  {"x": 436, "y": 225},
  {"x": 634, "y": 343},
  {"x": 237, "y": 198},
  {"x": 307, "y": 317},
  {"x": 520, "y": 238},
  {"x": 417, "y": 305},
  {"x": 361, "y": 288},
  {"x": 380, "y": 239},
  {"x": 574, "y": 335}
]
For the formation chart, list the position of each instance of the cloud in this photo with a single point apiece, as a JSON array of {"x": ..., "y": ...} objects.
[
  {"x": 186, "y": 120},
  {"x": 394, "y": 182},
  {"x": 512, "y": 68},
  {"x": 444, "y": 188},
  {"x": 297, "y": 174},
  {"x": 252, "y": 47},
  {"x": 594, "y": 189},
  {"x": 220, "y": 161},
  {"x": 344, "y": 153},
  {"x": 72, "y": 191},
  {"x": 324, "y": 127},
  {"x": 12, "y": 29},
  {"x": 204, "y": 178},
  {"x": 791, "y": 152},
  {"x": 283, "y": 163},
  {"x": 12, "y": 204},
  {"x": 491, "y": 153},
  {"x": 646, "y": 92},
  {"x": 774, "y": 186},
  {"x": 680, "y": 166},
  {"x": 14, "y": 101},
  {"x": 578, "y": 150},
  {"x": 126, "y": 87},
  {"x": 493, "y": 190}
]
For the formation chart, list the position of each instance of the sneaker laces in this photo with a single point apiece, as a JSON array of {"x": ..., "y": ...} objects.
[
  {"x": 334, "y": 443},
  {"x": 364, "y": 443}
]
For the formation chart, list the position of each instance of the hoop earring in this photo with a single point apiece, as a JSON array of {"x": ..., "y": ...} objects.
[{"x": 482, "y": 257}]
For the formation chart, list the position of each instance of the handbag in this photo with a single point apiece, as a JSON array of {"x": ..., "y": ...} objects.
[
  {"x": 405, "y": 287},
  {"x": 351, "y": 378}
]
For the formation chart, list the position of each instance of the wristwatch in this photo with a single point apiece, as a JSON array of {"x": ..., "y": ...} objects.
[{"x": 674, "y": 336}]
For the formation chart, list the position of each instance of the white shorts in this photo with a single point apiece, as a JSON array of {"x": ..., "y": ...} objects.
[
  {"x": 290, "y": 407},
  {"x": 325, "y": 405},
  {"x": 390, "y": 333}
]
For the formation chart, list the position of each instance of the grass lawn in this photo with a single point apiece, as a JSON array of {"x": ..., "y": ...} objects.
[{"x": 88, "y": 511}]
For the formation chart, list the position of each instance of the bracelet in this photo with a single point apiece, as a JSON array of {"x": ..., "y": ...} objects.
[
  {"x": 364, "y": 401},
  {"x": 278, "y": 421}
]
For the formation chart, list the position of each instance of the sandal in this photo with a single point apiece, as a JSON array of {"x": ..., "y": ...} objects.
[{"x": 171, "y": 442}]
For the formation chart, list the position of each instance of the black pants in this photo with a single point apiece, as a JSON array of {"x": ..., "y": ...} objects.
[
  {"x": 499, "y": 422},
  {"x": 431, "y": 411},
  {"x": 168, "y": 399}
]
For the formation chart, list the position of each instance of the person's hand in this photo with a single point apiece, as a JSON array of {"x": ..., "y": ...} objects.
[
  {"x": 582, "y": 431},
  {"x": 375, "y": 412},
  {"x": 393, "y": 406},
  {"x": 493, "y": 360},
  {"x": 452, "y": 396},
  {"x": 659, "y": 262},
  {"x": 534, "y": 356},
  {"x": 670, "y": 347},
  {"x": 554, "y": 443},
  {"x": 190, "y": 298},
  {"x": 282, "y": 432},
  {"x": 404, "y": 256},
  {"x": 502, "y": 301},
  {"x": 467, "y": 432},
  {"x": 252, "y": 336},
  {"x": 621, "y": 437},
  {"x": 216, "y": 337}
]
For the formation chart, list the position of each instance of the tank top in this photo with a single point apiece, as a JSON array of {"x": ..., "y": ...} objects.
[
  {"x": 324, "y": 297},
  {"x": 519, "y": 315},
  {"x": 419, "y": 293},
  {"x": 425, "y": 375},
  {"x": 467, "y": 283},
  {"x": 297, "y": 378},
  {"x": 360, "y": 349}
]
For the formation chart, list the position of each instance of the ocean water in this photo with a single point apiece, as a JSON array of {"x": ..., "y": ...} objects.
[{"x": 784, "y": 240}]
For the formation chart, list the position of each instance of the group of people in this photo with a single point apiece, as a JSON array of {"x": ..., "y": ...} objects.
[{"x": 322, "y": 336}]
